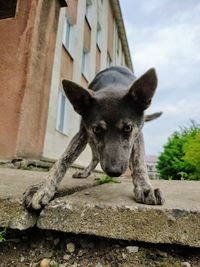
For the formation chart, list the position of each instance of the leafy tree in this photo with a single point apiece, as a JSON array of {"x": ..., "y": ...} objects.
[
  {"x": 171, "y": 163},
  {"x": 192, "y": 155}
]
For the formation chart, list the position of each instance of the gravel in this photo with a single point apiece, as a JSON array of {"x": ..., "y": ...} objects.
[{"x": 37, "y": 248}]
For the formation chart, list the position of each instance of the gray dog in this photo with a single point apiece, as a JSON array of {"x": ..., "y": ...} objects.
[{"x": 112, "y": 111}]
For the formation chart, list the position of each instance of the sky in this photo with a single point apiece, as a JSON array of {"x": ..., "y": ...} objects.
[{"x": 165, "y": 34}]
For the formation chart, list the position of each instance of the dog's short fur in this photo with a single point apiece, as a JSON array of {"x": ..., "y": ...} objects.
[{"x": 112, "y": 110}]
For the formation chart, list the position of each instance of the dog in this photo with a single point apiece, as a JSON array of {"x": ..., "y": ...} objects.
[{"x": 112, "y": 110}]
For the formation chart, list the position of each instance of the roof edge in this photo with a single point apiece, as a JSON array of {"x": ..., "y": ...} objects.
[{"x": 122, "y": 32}]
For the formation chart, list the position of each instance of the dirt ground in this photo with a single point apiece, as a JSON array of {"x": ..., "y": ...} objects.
[{"x": 37, "y": 248}]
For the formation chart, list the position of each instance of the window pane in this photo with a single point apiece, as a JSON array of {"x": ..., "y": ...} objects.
[
  {"x": 7, "y": 8},
  {"x": 66, "y": 33},
  {"x": 60, "y": 112},
  {"x": 85, "y": 63},
  {"x": 63, "y": 114}
]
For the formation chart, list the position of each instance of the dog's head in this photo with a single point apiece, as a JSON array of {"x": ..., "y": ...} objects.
[{"x": 113, "y": 118}]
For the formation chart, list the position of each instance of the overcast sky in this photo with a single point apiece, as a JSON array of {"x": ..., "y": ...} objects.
[{"x": 165, "y": 34}]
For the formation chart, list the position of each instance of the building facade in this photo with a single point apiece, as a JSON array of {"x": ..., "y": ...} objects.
[
  {"x": 151, "y": 167},
  {"x": 79, "y": 39},
  {"x": 28, "y": 31},
  {"x": 89, "y": 40}
]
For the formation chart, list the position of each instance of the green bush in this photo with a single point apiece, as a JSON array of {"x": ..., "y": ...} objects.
[{"x": 181, "y": 155}]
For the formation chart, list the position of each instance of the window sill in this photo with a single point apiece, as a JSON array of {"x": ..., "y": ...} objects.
[
  {"x": 98, "y": 47},
  {"x": 68, "y": 52},
  {"x": 88, "y": 22},
  {"x": 66, "y": 135},
  {"x": 86, "y": 79}
]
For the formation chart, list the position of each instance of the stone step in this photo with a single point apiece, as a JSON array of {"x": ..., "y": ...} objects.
[{"x": 109, "y": 210}]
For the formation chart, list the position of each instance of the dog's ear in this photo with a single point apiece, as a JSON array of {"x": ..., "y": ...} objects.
[
  {"x": 79, "y": 97},
  {"x": 153, "y": 116},
  {"x": 143, "y": 89}
]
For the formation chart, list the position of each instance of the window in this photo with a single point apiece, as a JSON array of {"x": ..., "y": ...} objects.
[
  {"x": 88, "y": 11},
  {"x": 63, "y": 114},
  {"x": 7, "y": 8},
  {"x": 68, "y": 31},
  {"x": 99, "y": 35},
  {"x": 85, "y": 63}
]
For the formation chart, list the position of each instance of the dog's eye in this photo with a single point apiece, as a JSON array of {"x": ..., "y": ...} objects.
[
  {"x": 97, "y": 129},
  {"x": 127, "y": 128}
]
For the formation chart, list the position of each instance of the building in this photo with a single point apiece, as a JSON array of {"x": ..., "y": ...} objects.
[
  {"x": 151, "y": 167},
  {"x": 47, "y": 41}
]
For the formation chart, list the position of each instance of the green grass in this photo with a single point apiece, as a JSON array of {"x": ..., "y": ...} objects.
[
  {"x": 2, "y": 235},
  {"x": 107, "y": 179}
]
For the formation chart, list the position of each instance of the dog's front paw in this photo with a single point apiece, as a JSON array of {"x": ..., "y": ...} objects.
[
  {"x": 149, "y": 196},
  {"x": 80, "y": 174},
  {"x": 37, "y": 196}
]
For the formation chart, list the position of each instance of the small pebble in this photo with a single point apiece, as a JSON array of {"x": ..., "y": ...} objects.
[
  {"x": 70, "y": 247},
  {"x": 75, "y": 264},
  {"x": 99, "y": 265},
  {"x": 185, "y": 264},
  {"x": 45, "y": 263},
  {"x": 123, "y": 255},
  {"x": 132, "y": 249},
  {"x": 162, "y": 254},
  {"x": 66, "y": 257},
  {"x": 48, "y": 254},
  {"x": 22, "y": 259},
  {"x": 80, "y": 253}
]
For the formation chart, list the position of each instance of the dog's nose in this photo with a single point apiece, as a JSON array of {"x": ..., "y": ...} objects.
[{"x": 113, "y": 172}]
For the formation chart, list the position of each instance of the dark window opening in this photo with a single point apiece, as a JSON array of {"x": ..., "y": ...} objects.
[{"x": 7, "y": 8}]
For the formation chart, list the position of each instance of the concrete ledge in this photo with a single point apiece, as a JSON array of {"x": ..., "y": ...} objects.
[
  {"x": 107, "y": 210},
  {"x": 12, "y": 185},
  {"x": 110, "y": 211},
  {"x": 15, "y": 216}
]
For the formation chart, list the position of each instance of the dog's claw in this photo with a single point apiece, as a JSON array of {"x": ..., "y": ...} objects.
[
  {"x": 149, "y": 196},
  {"x": 80, "y": 174},
  {"x": 37, "y": 196}
]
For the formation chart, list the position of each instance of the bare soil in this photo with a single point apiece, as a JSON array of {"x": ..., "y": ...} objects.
[{"x": 29, "y": 248}]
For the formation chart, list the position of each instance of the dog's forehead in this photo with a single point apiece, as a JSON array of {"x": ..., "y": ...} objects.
[{"x": 112, "y": 106}]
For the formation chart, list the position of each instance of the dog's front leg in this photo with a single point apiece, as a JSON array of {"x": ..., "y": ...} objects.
[
  {"x": 87, "y": 171},
  {"x": 144, "y": 193},
  {"x": 38, "y": 196}
]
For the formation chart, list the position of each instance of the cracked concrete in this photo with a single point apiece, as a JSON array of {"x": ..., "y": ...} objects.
[
  {"x": 14, "y": 182},
  {"x": 107, "y": 210}
]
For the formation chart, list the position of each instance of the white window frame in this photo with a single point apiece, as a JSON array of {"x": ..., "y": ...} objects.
[{"x": 63, "y": 114}]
